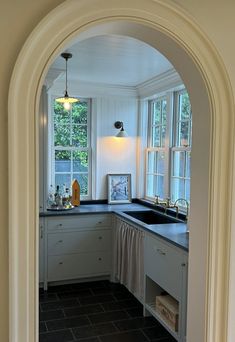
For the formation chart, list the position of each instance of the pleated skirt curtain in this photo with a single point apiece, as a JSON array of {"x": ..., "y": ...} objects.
[{"x": 129, "y": 249}]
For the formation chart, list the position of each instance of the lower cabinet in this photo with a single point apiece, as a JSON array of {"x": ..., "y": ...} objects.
[
  {"x": 77, "y": 247},
  {"x": 128, "y": 266},
  {"x": 85, "y": 246},
  {"x": 166, "y": 285}
]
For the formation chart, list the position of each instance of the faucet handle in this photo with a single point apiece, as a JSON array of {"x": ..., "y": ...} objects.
[
  {"x": 168, "y": 202},
  {"x": 156, "y": 199}
]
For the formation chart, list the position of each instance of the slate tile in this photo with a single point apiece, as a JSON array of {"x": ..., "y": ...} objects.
[
  {"x": 130, "y": 336},
  {"x": 42, "y": 327},
  {"x": 165, "y": 339},
  {"x": 136, "y": 323},
  {"x": 50, "y": 315},
  {"x": 79, "y": 293},
  {"x": 135, "y": 312},
  {"x": 56, "y": 336},
  {"x": 59, "y": 288},
  {"x": 123, "y": 304},
  {"x": 94, "y": 330},
  {"x": 155, "y": 333},
  {"x": 60, "y": 304},
  {"x": 96, "y": 299},
  {"x": 121, "y": 295},
  {"x": 108, "y": 317},
  {"x": 83, "y": 310},
  {"x": 86, "y": 285},
  {"x": 92, "y": 339},
  {"x": 67, "y": 323},
  {"x": 47, "y": 297},
  {"x": 111, "y": 288}
]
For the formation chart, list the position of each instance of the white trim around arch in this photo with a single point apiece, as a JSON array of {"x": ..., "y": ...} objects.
[{"x": 178, "y": 37}]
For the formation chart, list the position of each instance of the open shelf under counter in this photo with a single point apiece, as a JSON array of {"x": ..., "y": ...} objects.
[{"x": 150, "y": 307}]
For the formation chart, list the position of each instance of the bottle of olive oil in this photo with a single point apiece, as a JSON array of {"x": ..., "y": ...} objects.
[{"x": 75, "y": 193}]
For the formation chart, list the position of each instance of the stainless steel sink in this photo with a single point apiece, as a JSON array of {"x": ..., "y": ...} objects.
[{"x": 151, "y": 217}]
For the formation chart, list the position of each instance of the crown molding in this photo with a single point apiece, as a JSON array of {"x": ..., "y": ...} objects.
[
  {"x": 165, "y": 81},
  {"x": 52, "y": 75},
  {"x": 88, "y": 89}
]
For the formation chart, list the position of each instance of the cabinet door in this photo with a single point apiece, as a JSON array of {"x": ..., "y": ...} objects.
[
  {"x": 163, "y": 264},
  {"x": 81, "y": 241},
  {"x": 72, "y": 266},
  {"x": 79, "y": 222}
]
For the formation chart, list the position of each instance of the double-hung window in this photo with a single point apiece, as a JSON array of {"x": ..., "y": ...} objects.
[
  {"x": 169, "y": 147},
  {"x": 181, "y": 149},
  {"x": 156, "y": 151},
  {"x": 70, "y": 146}
]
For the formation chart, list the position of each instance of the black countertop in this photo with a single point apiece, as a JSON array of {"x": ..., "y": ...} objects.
[{"x": 175, "y": 233}]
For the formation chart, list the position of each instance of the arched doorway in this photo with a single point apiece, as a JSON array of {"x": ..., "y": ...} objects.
[{"x": 195, "y": 59}]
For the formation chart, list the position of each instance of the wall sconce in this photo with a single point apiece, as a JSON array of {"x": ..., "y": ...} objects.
[{"x": 122, "y": 133}]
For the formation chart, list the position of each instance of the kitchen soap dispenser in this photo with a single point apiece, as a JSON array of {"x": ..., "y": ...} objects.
[{"x": 75, "y": 193}]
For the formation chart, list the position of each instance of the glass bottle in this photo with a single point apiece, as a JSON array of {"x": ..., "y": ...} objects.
[
  {"x": 50, "y": 197},
  {"x": 58, "y": 197}
]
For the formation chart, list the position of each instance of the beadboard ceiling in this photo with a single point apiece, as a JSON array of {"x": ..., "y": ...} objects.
[{"x": 111, "y": 59}]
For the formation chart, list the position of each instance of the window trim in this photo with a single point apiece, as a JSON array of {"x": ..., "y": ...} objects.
[
  {"x": 52, "y": 148},
  {"x": 172, "y": 98}
]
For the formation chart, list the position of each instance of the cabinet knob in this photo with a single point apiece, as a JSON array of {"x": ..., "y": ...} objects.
[
  {"x": 99, "y": 222},
  {"x": 100, "y": 237},
  {"x": 183, "y": 264},
  {"x": 61, "y": 263},
  {"x": 60, "y": 241},
  {"x": 100, "y": 259}
]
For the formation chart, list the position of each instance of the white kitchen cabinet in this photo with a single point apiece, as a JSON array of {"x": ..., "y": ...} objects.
[
  {"x": 165, "y": 272},
  {"x": 77, "y": 247},
  {"x": 85, "y": 246}
]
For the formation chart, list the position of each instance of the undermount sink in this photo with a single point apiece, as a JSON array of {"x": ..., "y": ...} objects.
[{"x": 151, "y": 217}]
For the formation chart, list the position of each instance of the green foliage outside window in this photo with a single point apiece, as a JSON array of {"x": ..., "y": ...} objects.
[{"x": 71, "y": 143}]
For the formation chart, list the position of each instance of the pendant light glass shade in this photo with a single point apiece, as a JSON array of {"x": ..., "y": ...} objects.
[{"x": 66, "y": 99}]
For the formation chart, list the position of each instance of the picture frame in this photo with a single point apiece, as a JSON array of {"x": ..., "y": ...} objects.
[{"x": 119, "y": 188}]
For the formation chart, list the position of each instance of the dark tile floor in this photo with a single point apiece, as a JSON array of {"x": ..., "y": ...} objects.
[{"x": 95, "y": 312}]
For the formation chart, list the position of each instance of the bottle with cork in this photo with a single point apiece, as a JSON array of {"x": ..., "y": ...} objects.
[{"x": 75, "y": 193}]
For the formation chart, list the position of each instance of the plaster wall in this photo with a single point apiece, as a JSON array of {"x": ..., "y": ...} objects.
[{"x": 17, "y": 20}]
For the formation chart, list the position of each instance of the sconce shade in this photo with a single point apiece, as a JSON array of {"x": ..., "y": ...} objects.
[
  {"x": 122, "y": 133},
  {"x": 66, "y": 99}
]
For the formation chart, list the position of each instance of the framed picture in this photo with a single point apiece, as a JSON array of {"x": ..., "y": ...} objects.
[{"x": 119, "y": 188}]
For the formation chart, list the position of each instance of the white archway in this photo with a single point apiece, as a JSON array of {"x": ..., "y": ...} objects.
[{"x": 170, "y": 31}]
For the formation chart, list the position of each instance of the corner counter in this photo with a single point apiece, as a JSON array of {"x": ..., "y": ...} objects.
[{"x": 175, "y": 233}]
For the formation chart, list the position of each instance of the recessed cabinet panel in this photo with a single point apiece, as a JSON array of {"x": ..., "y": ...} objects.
[
  {"x": 79, "y": 222},
  {"x": 163, "y": 264},
  {"x": 82, "y": 241},
  {"x": 81, "y": 265}
]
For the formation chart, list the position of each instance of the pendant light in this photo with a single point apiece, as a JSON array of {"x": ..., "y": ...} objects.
[{"x": 66, "y": 100}]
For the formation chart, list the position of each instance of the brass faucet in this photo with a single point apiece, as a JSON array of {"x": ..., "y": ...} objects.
[
  {"x": 167, "y": 204},
  {"x": 187, "y": 206}
]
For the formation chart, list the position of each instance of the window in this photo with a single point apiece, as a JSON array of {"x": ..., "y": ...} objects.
[
  {"x": 70, "y": 142},
  {"x": 181, "y": 149},
  {"x": 169, "y": 147},
  {"x": 156, "y": 151}
]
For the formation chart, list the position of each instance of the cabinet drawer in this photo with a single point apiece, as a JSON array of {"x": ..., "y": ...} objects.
[
  {"x": 72, "y": 266},
  {"x": 76, "y": 242},
  {"x": 163, "y": 264},
  {"x": 78, "y": 222}
]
